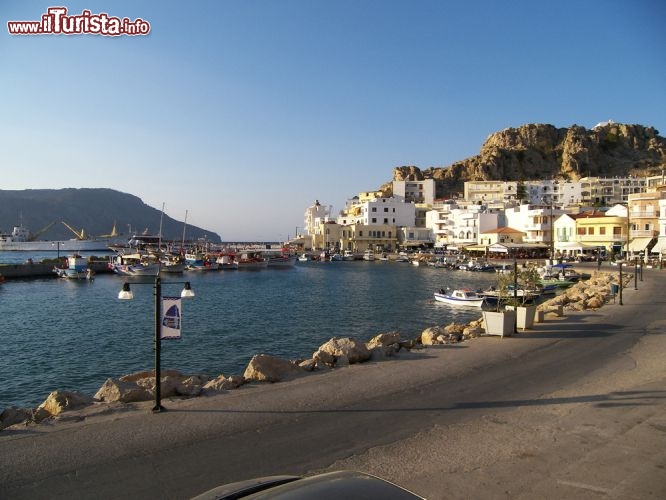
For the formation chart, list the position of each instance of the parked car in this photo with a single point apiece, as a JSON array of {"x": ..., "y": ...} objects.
[{"x": 347, "y": 485}]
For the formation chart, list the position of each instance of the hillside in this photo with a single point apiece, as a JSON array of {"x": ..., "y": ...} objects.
[
  {"x": 94, "y": 210},
  {"x": 538, "y": 151}
]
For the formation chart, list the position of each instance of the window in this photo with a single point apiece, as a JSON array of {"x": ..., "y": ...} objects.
[
  {"x": 602, "y": 230},
  {"x": 385, "y": 221},
  {"x": 580, "y": 231},
  {"x": 590, "y": 230},
  {"x": 617, "y": 231},
  {"x": 374, "y": 220},
  {"x": 374, "y": 209},
  {"x": 385, "y": 209}
]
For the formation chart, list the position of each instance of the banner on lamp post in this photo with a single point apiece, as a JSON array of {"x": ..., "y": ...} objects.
[{"x": 171, "y": 316}]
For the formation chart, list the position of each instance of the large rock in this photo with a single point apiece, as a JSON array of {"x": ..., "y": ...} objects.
[
  {"x": 429, "y": 335},
  {"x": 338, "y": 351},
  {"x": 13, "y": 415},
  {"x": 266, "y": 368},
  {"x": 60, "y": 401},
  {"x": 125, "y": 392},
  {"x": 222, "y": 383},
  {"x": 384, "y": 339}
]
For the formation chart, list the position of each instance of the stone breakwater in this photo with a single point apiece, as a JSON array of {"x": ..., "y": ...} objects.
[{"x": 121, "y": 393}]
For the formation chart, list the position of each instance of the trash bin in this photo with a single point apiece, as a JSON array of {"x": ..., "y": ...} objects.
[{"x": 615, "y": 288}]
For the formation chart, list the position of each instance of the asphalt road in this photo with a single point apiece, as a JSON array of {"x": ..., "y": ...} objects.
[{"x": 572, "y": 409}]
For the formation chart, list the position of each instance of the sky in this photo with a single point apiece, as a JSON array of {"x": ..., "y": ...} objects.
[{"x": 244, "y": 112}]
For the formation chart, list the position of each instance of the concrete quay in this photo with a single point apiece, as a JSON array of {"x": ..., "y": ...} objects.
[{"x": 574, "y": 408}]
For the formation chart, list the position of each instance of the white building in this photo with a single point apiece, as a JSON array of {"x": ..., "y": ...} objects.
[
  {"x": 391, "y": 211},
  {"x": 415, "y": 191},
  {"x": 560, "y": 193},
  {"x": 536, "y": 221},
  {"x": 314, "y": 215}
]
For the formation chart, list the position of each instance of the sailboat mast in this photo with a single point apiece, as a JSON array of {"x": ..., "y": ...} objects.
[
  {"x": 159, "y": 244},
  {"x": 182, "y": 243}
]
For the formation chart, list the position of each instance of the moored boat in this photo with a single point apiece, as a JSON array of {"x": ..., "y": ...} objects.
[
  {"x": 77, "y": 268},
  {"x": 134, "y": 265},
  {"x": 369, "y": 255},
  {"x": 462, "y": 297}
]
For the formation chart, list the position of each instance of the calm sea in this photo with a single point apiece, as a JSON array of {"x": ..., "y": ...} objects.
[{"x": 73, "y": 335}]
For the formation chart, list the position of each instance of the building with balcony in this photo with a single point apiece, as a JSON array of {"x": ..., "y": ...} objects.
[{"x": 415, "y": 191}]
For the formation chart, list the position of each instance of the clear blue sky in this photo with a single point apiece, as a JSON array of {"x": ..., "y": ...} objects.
[{"x": 243, "y": 112}]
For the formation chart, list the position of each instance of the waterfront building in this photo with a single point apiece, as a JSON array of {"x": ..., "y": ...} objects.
[
  {"x": 537, "y": 221},
  {"x": 567, "y": 242},
  {"x": 644, "y": 213},
  {"x": 313, "y": 213},
  {"x": 414, "y": 237},
  {"x": 378, "y": 210},
  {"x": 660, "y": 246},
  {"x": 608, "y": 231},
  {"x": 558, "y": 192},
  {"x": 415, "y": 191},
  {"x": 361, "y": 237}
]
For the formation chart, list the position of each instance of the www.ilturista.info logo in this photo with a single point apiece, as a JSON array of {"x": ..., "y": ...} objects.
[{"x": 57, "y": 22}]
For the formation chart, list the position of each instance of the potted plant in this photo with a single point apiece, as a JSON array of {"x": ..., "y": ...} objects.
[
  {"x": 527, "y": 280},
  {"x": 500, "y": 322}
]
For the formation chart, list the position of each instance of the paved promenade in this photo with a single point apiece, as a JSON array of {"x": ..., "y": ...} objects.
[{"x": 573, "y": 409}]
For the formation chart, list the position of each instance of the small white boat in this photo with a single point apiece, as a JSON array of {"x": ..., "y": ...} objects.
[
  {"x": 251, "y": 260},
  {"x": 368, "y": 255},
  {"x": 384, "y": 257},
  {"x": 303, "y": 258},
  {"x": 77, "y": 268},
  {"x": 336, "y": 257},
  {"x": 134, "y": 265},
  {"x": 348, "y": 255},
  {"x": 463, "y": 297}
]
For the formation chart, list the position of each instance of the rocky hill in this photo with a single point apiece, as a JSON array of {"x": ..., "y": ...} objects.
[
  {"x": 538, "y": 151},
  {"x": 93, "y": 210}
]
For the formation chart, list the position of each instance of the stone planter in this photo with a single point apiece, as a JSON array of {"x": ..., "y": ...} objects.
[
  {"x": 499, "y": 323},
  {"x": 525, "y": 316}
]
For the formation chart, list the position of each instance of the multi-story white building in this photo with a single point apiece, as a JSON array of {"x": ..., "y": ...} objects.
[
  {"x": 536, "y": 221},
  {"x": 560, "y": 193},
  {"x": 391, "y": 211},
  {"x": 415, "y": 191},
  {"x": 314, "y": 214}
]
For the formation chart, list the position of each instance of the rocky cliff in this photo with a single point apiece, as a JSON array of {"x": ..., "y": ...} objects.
[{"x": 538, "y": 151}]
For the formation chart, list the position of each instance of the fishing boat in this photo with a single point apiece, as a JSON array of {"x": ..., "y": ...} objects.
[
  {"x": 283, "y": 260},
  {"x": 200, "y": 262},
  {"x": 77, "y": 268},
  {"x": 462, "y": 297},
  {"x": 134, "y": 265},
  {"x": 226, "y": 262},
  {"x": 251, "y": 261}
]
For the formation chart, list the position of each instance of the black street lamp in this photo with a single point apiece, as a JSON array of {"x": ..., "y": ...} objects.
[
  {"x": 126, "y": 294},
  {"x": 621, "y": 287}
]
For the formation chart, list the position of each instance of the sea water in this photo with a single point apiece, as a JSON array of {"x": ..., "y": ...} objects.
[{"x": 73, "y": 335}]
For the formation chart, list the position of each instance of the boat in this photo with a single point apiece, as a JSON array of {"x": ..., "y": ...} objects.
[
  {"x": 200, "y": 262},
  {"x": 77, "y": 268},
  {"x": 348, "y": 255},
  {"x": 284, "y": 260},
  {"x": 251, "y": 261},
  {"x": 368, "y": 255},
  {"x": 226, "y": 262},
  {"x": 384, "y": 257},
  {"x": 303, "y": 258},
  {"x": 172, "y": 264},
  {"x": 462, "y": 297},
  {"x": 20, "y": 240},
  {"x": 402, "y": 258},
  {"x": 134, "y": 265},
  {"x": 336, "y": 257}
]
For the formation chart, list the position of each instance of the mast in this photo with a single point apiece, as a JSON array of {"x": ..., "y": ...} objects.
[
  {"x": 159, "y": 241},
  {"x": 182, "y": 242}
]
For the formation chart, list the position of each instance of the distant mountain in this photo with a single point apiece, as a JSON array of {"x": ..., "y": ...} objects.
[
  {"x": 95, "y": 211},
  {"x": 538, "y": 151}
]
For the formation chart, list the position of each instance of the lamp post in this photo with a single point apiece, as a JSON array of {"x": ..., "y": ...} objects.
[
  {"x": 636, "y": 273},
  {"x": 620, "y": 288},
  {"x": 552, "y": 236},
  {"x": 126, "y": 294},
  {"x": 57, "y": 243}
]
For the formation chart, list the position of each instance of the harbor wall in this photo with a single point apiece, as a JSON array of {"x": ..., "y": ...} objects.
[{"x": 42, "y": 270}]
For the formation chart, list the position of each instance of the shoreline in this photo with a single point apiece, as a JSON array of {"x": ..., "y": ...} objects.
[{"x": 64, "y": 405}]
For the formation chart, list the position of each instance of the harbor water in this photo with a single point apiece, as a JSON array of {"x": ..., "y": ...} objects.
[{"x": 73, "y": 335}]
